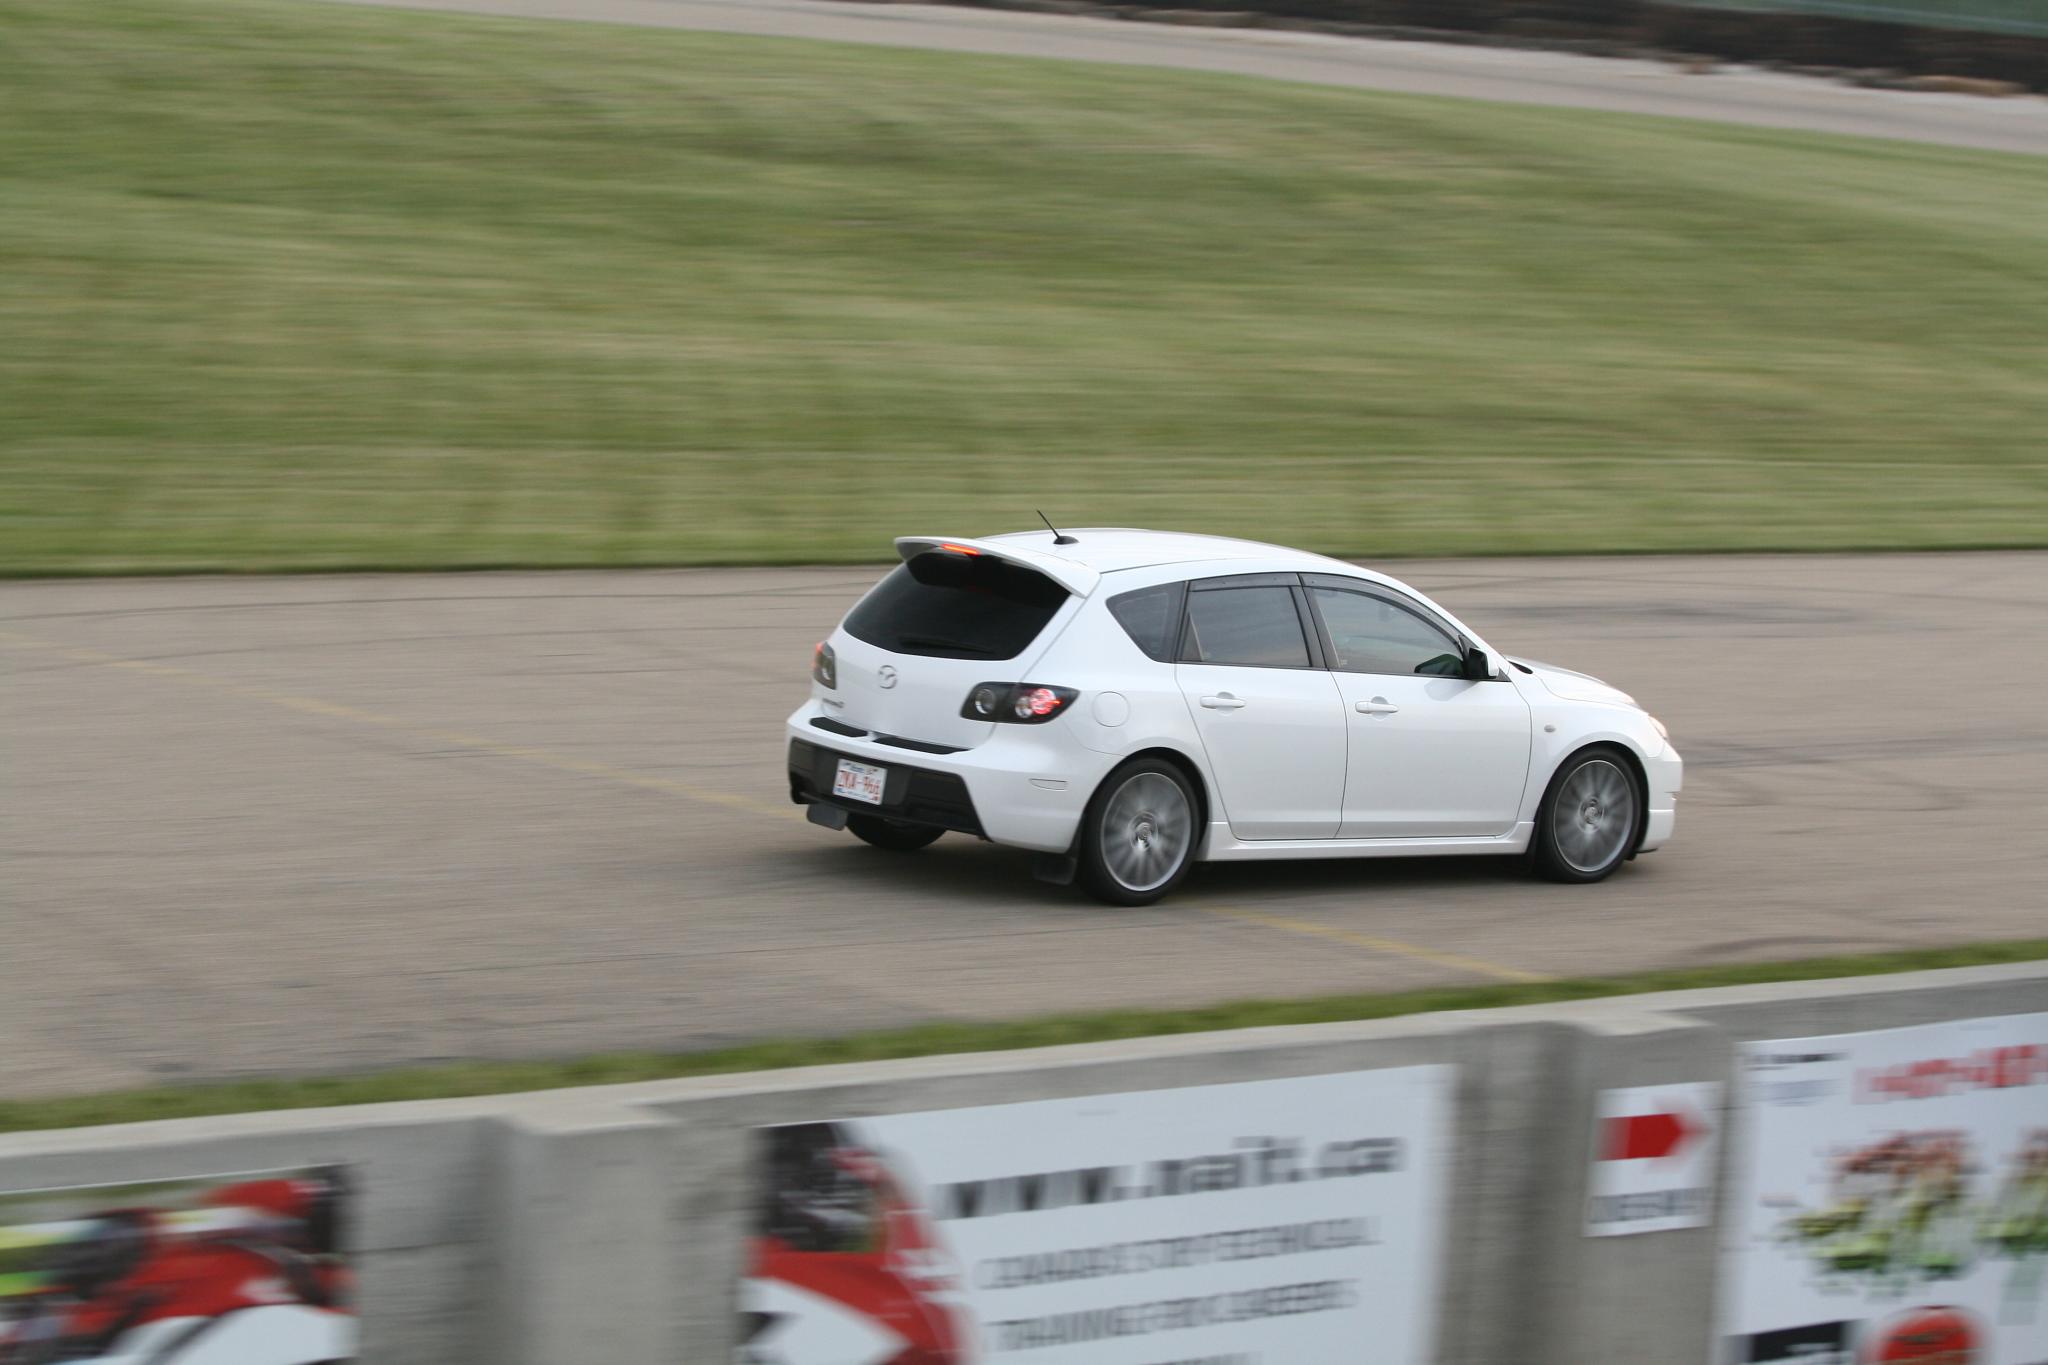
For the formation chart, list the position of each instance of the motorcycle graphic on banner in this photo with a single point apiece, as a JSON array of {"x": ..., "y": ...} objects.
[
  {"x": 1890, "y": 1198},
  {"x": 1274, "y": 1222},
  {"x": 246, "y": 1270}
]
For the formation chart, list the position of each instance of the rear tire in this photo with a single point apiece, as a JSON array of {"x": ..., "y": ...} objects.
[
  {"x": 1139, "y": 833},
  {"x": 891, "y": 834},
  {"x": 1591, "y": 818}
]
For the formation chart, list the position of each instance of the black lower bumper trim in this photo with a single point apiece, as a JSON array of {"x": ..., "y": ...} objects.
[{"x": 913, "y": 796}]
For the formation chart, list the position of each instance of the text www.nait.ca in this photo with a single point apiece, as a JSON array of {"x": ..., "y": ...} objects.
[{"x": 1253, "y": 1163}]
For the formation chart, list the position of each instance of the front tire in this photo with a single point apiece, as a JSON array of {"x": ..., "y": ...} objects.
[
  {"x": 1139, "y": 833},
  {"x": 891, "y": 834},
  {"x": 1591, "y": 818}
]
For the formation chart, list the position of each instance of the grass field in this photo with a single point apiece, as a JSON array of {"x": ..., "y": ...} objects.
[
  {"x": 927, "y": 1040},
  {"x": 285, "y": 285}
]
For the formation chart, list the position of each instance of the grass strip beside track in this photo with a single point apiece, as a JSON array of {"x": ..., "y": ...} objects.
[
  {"x": 288, "y": 286},
  {"x": 495, "y": 1078}
]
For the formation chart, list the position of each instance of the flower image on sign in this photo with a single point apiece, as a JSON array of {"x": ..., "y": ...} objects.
[{"x": 1891, "y": 1198}]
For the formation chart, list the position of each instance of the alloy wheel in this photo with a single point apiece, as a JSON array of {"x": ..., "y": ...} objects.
[
  {"x": 1147, "y": 829},
  {"x": 1593, "y": 816}
]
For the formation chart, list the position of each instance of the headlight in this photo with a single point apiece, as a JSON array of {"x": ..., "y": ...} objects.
[{"x": 1662, "y": 733}]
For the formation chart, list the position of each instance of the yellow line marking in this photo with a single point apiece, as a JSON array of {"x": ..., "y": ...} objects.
[
  {"x": 582, "y": 767},
  {"x": 316, "y": 706},
  {"x": 1372, "y": 943}
]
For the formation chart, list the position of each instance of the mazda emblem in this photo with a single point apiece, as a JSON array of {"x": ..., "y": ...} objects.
[{"x": 886, "y": 677}]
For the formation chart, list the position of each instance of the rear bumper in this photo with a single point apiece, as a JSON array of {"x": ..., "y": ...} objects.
[
  {"x": 1025, "y": 787},
  {"x": 916, "y": 796}
]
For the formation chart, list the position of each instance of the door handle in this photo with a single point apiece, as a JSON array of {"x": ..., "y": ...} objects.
[
  {"x": 1376, "y": 707},
  {"x": 1223, "y": 702}
]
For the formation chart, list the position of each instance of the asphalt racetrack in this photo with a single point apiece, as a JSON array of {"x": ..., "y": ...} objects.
[
  {"x": 261, "y": 825},
  {"x": 1731, "y": 95}
]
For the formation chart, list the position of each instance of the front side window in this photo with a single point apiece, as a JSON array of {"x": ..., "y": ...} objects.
[
  {"x": 953, "y": 606},
  {"x": 1374, "y": 635},
  {"x": 1248, "y": 626}
]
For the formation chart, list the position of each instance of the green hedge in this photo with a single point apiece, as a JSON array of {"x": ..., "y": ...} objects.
[
  {"x": 1823, "y": 40},
  {"x": 2022, "y": 17},
  {"x": 1967, "y": 42}
]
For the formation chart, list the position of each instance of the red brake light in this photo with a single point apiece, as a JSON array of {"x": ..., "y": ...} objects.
[
  {"x": 1017, "y": 703},
  {"x": 960, "y": 549},
  {"x": 1039, "y": 701},
  {"x": 825, "y": 665}
]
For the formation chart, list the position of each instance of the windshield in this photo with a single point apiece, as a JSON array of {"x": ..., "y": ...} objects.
[{"x": 954, "y": 606}]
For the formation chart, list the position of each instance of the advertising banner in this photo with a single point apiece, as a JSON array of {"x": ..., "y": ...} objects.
[
  {"x": 1889, "y": 1198},
  {"x": 244, "y": 1270},
  {"x": 1284, "y": 1222},
  {"x": 1654, "y": 1148}
]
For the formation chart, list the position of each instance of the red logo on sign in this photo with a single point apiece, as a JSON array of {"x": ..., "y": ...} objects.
[
  {"x": 1648, "y": 1135},
  {"x": 1930, "y": 1336}
]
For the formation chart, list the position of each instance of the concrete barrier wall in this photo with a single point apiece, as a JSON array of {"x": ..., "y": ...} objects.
[{"x": 606, "y": 1224}]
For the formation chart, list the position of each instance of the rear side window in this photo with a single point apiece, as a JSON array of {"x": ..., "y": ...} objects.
[
  {"x": 1254, "y": 626},
  {"x": 953, "y": 606},
  {"x": 1151, "y": 617}
]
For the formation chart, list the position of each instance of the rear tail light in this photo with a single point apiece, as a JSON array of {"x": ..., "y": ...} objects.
[
  {"x": 1017, "y": 703},
  {"x": 825, "y": 665}
]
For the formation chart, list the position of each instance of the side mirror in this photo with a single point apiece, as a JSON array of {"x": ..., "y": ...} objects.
[{"x": 1476, "y": 668}]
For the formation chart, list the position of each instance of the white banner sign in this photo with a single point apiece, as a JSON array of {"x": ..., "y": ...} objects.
[
  {"x": 1890, "y": 1199},
  {"x": 1285, "y": 1222},
  {"x": 1653, "y": 1158}
]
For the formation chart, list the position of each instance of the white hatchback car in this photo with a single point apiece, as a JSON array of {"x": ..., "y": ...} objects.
[{"x": 1129, "y": 702}]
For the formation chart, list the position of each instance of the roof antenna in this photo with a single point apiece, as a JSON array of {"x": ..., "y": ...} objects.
[{"x": 1057, "y": 538}]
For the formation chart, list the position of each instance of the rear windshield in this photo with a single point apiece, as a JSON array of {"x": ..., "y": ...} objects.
[{"x": 957, "y": 607}]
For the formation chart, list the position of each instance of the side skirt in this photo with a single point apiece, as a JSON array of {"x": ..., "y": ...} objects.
[{"x": 1221, "y": 847}]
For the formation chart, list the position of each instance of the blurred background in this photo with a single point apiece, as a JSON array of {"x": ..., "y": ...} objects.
[
  {"x": 299, "y": 286},
  {"x": 293, "y": 286}
]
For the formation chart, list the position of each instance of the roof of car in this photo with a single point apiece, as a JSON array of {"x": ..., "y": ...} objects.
[{"x": 1106, "y": 549}]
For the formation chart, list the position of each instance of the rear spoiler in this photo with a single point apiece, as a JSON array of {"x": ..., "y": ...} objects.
[{"x": 1077, "y": 579}]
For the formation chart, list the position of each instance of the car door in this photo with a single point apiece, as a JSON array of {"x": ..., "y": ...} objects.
[
  {"x": 1270, "y": 717},
  {"x": 1431, "y": 753}
]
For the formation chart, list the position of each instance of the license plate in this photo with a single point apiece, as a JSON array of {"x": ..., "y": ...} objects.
[{"x": 860, "y": 781}]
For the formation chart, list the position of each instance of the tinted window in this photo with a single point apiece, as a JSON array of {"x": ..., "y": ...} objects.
[
  {"x": 1374, "y": 635},
  {"x": 1245, "y": 626},
  {"x": 1151, "y": 617},
  {"x": 957, "y": 607}
]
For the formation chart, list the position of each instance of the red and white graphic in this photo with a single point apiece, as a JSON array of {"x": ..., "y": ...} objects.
[
  {"x": 248, "y": 1272},
  {"x": 844, "y": 1269},
  {"x": 1653, "y": 1158}
]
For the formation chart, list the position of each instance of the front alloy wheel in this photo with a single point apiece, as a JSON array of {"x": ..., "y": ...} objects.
[
  {"x": 1138, "y": 836},
  {"x": 1590, "y": 822}
]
